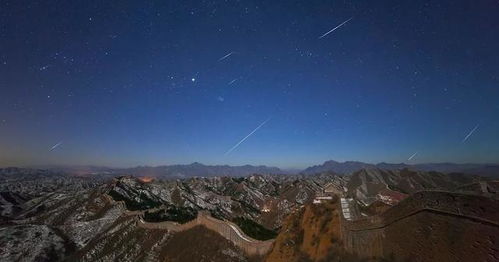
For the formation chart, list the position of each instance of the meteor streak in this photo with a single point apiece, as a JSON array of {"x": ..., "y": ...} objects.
[
  {"x": 470, "y": 133},
  {"x": 56, "y": 146},
  {"x": 411, "y": 157},
  {"x": 246, "y": 137},
  {"x": 232, "y": 82},
  {"x": 225, "y": 56},
  {"x": 338, "y": 26}
]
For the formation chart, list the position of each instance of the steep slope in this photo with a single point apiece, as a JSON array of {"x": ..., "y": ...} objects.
[
  {"x": 11, "y": 204},
  {"x": 209, "y": 246},
  {"x": 33, "y": 243},
  {"x": 123, "y": 241},
  {"x": 313, "y": 233}
]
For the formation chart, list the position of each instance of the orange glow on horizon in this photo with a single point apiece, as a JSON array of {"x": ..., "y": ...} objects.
[{"x": 146, "y": 179}]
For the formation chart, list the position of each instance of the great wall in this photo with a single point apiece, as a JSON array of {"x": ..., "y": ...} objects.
[
  {"x": 469, "y": 223},
  {"x": 410, "y": 229},
  {"x": 228, "y": 230}
]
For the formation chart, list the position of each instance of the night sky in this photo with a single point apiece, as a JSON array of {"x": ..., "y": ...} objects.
[{"x": 124, "y": 83}]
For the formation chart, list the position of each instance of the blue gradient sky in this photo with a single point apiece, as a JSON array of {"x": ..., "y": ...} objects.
[{"x": 114, "y": 82}]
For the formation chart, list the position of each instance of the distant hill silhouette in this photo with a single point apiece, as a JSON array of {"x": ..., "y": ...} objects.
[
  {"x": 169, "y": 171},
  {"x": 198, "y": 169},
  {"x": 349, "y": 167}
]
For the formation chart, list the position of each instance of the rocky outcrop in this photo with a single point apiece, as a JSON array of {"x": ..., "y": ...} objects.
[{"x": 311, "y": 233}]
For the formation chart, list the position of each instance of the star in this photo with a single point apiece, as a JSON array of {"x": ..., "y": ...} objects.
[{"x": 193, "y": 79}]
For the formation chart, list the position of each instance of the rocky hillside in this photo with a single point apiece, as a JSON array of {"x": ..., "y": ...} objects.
[
  {"x": 54, "y": 216},
  {"x": 264, "y": 199},
  {"x": 311, "y": 234},
  {"x": 89, "y": 219}
]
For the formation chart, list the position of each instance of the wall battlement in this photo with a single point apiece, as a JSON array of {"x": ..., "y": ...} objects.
[
  {"x": 228, "y": 230},
  {"x": 425, "y": 214}
]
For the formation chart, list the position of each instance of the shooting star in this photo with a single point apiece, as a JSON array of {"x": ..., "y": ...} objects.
[
  {"x": 246, "y": 137},
  {"x": 225, "y": 56},
  {"x": 56, "y": 146},
  {"x": 470, "y": 133},
  {"x": 411, "y": 157},
  {"x": 338, "y": 26},
  {"x": 232, "y": 82}
]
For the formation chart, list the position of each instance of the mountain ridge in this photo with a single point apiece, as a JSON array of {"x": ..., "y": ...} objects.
[
  {"x": 174, "y": 171},
  {"x": 349, "y": 167},
  {"x": 197, "y": 169}
]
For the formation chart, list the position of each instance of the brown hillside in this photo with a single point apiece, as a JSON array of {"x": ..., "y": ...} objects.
[
  {"x": 201, "y": 244},
  {"x": 311, "y": 234}
]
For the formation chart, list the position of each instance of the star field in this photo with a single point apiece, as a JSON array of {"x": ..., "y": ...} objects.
[{"x": 123, "y": 83}]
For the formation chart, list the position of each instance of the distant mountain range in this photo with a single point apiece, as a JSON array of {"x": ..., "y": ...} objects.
[
  {"x": 170, "y": 171},
  {"x": 348, "y": 167},
  {"x": 200, "y": 170}
]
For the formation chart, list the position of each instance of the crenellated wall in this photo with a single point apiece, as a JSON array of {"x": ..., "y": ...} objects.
[
  {"x": 457, "y": 227},
  {"x": 228, "y": 230}
]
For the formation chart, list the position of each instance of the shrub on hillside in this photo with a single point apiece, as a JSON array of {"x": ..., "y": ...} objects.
[
  {"x": 254, "y": 230},
  {"x": 177, "y": 214}
]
